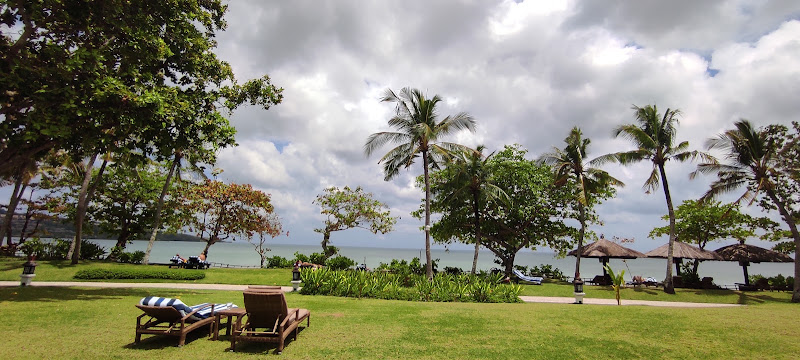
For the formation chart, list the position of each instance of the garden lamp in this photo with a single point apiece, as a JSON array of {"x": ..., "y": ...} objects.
[
  {"x": 295, "y": 278},
  {"x": 28, "y": 272},
  {"x": 579, "y": 294}
]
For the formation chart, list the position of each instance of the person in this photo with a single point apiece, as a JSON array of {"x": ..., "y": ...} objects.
[
  {"x": 178, "y": 259},
  {"x": 202, "y": 256}
]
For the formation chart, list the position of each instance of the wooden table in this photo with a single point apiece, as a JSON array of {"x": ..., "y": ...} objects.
[{"x": 230, "y": 314}]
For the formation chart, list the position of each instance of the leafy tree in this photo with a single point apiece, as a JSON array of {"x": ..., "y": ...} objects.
[
  {"x": 271, "y": 226},
  {"x": 225, "y": 210},
  {"x": 530, "y": 216},
  {"x": 126, "y": 200},
  {"x": 467, "y": 182},
  {"x": 418, "y": 134},
  {"x": 591, "y": 184},
  {"x": 761, "y": 161},
  {"x": 654, "y": 138},
  {"x": 346, "y": 209},
  {"x": 702, "y": 222}
]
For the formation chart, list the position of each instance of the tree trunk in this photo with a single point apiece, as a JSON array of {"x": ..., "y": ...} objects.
[
  {"x": 159, "y": 206},
  {"x": 581, "y": 234},
  {"x": 16, "y": 195},
  {"x": 668, "y": 285},
  {"x": 428, "y": 265},
  {"x": 476, "y": 210},
  {"x": 81, "y": 211},
  {"x": 787, "y": 217},
  {"x": 326, "y": 238}
]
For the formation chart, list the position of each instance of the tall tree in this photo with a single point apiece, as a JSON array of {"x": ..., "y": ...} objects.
[
  {"x": 466, "y": 181},
  {"x": 347, "y": 208},
  {"x": 591, "y": 184},
  {"x": 224, "y": 210},
  {"x": 531, "y": 215},
  {"x": 654, "y": 139},
  {"x": 758, "y": 161},
  {"x": 419, "y": 133},
  {"x": 701, "y": 222}
]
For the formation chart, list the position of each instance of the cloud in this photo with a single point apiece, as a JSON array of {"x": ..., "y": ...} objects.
[{"x": 527, "y": 71}]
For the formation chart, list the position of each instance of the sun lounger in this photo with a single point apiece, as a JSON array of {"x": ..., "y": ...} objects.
[
  {"x": 268, "y": 319},
  {"x": 171, "y": 317},
  {"x": 194, "y": 262},
  {"x": 520, "y": 277}
]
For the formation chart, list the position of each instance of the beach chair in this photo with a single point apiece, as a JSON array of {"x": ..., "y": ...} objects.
[
  {"x": 171, "y": 317},
  {"x": 264, "y": 288},
  {"x": 268, "y": 319},
  {"x": 194, "y": 262},
  {"x": 522, "y": 278}
]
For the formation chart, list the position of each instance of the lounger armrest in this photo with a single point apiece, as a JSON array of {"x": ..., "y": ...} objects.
[{"x": 183, "y": 319}]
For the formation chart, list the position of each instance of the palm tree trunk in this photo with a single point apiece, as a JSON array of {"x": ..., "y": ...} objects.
[
  {"x": 581, "y": 234},
  {"x": 428, "y": 265},
  {"x": 796, "y": 236},
  {"x": 668, "y": 286},
  {"x": 16, "y": 195},
  {"x": 476, "y": 210},
  {"x": 160, "y": 206}
]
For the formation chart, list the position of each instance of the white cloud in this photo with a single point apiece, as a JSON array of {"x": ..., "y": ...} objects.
[{"x": 527, "y": 71}]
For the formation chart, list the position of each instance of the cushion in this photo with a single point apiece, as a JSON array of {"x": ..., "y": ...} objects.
[{"x": 180, "y": 306}]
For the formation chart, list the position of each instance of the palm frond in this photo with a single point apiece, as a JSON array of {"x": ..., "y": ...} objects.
[
  {"x": 652, "y": 182},
  {"x": 378, "y": 140}
]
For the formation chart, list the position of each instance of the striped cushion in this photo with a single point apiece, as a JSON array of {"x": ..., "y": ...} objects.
[{"x": 180, "y": 306}]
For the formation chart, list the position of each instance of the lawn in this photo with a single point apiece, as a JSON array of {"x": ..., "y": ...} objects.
[{"x": 79, "y": 323}]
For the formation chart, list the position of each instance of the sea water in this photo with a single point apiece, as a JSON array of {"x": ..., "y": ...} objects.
[{"x": 244, "y": 254}]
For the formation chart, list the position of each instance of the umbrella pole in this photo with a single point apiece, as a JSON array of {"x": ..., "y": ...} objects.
[
  {"x": 604, "y": 260},
  {"x": 678, "y": 262},
  {"x": 744, "y": 269}
]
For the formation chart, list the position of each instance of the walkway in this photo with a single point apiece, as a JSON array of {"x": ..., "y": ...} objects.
[{"x": 528, "y": 299}]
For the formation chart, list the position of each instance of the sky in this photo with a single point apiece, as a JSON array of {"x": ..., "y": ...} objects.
[{"x": 527, "y": 71}]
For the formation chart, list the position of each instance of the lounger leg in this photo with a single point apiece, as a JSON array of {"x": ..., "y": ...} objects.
[
  {"x": 182, "y": 340},
  {"x": 138, "y": 338}
]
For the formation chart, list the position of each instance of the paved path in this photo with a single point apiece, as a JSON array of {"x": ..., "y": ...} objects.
[{"x": 529, "y": 299}]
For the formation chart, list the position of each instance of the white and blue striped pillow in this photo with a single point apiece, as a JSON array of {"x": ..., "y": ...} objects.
[{"x": 180, "y": 306}]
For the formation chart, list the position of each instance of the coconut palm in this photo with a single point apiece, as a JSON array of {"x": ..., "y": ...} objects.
[
  {"x": 470, "y": 176},
  {"x": 418, "y": 134},
  {"x": 654, "y": 138},
  {"x": 569, "y": 164},
  {"x": 753, "y": 163}
]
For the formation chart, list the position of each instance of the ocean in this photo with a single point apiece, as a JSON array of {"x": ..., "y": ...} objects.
[{"x": 243, "y": 254}]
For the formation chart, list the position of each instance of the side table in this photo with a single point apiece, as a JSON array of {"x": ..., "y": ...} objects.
[{"x": 230, "y": 314}]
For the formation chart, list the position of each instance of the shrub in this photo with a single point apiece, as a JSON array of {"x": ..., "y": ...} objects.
[
  {"x": 382, "y": 285},
  {"x": 300, "y": 257},
  {"x": 339, "y": 263},
  {"x": 91, "y": 251},
  {"x": 104, "y": 274},
  {"x": 278, "y": 262},
  {"x": 317, "y": 258},
  {"x": 453, "y": 270}
]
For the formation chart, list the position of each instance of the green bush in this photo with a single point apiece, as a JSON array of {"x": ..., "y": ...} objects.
[
  {"x": 339, "y": 263},
  {"x": 383, "y": 285},
  {"x": 317, "y": 258},
  {"x": 403, "y": 267},
  {"x": 300, "y": 257},
  {"x": 106, "y": 274},
  {"x": 278, "y": 262},
  {"x": 58, "y": 249}
]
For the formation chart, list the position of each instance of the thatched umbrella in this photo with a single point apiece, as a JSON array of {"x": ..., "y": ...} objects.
[
  {"x": 680, "y": 251},
  {"x": 605, "y": 250},
  {"x": 746, "y": 254}
]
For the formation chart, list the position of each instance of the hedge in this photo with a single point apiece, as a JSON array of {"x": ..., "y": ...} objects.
[{"x": 100, "y": 274}]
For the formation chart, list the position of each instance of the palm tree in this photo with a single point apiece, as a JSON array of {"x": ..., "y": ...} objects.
[
  {"x": 470, "y": 175},
  {"x": 754, "y": 163},
  {"x": 590, "y": 181},
  {"x": 654, "y": 138},
  {"x": 418, "y": 134}
]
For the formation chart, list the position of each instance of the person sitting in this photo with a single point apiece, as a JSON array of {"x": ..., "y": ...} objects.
[{"x": 177, "y": 260}]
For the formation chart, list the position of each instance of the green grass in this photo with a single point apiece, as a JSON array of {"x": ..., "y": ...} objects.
[
  {"x": 80, "y": 323},
  {"x": 62, "y": 270}
]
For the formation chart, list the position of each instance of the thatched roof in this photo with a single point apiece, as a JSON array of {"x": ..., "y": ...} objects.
[
  {"x": 751, "y": 253},
  {"x": 684, "y": 251},
  {"x": 604, "y": 248}
]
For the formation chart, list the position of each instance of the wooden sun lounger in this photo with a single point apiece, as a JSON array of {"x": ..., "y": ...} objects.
[{"x": 166, "y": 320}]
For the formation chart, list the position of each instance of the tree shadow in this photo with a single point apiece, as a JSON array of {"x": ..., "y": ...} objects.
[
  {"x": 152, "y": 342},
  {"x": 262, "y": 347},
  {"x": 58, "y": 294}
]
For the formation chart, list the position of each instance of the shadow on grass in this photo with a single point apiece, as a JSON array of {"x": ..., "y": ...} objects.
[
  {"x": 54, "y": 294},
  {"x": 152, "y": 342},
  {"x": 260, "y": 347}
]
